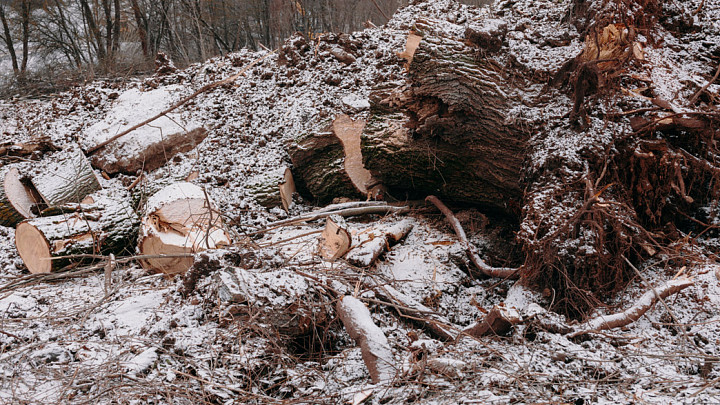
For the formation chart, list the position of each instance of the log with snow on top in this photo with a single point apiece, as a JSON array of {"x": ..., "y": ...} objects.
[
  {"x": 65, "y": 177},
  {"x": 376, "y": 351},
  {"x": 148, "y": 147},
  {"x": 179, "y": 219},
  {"x": 109, "y": 225},
  {"x": 16, "y": 197}
]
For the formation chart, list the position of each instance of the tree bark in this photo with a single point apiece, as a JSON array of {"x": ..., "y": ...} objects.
[
  {"x": 108, "y": 225},
  {"x": 446, "y": 133},
  {"x": 65, "y": 177},
  {"x": 9, "y": 41}
]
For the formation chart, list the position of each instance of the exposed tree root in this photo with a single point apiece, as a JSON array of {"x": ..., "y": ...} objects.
[
  {"x": 500, "y": 272},
  {"x": 632, "y": 314}
]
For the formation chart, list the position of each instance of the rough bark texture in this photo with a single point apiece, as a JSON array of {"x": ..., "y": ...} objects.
[
  {"x": 109, "y": 225},
  {"x": 319, "y": 166},
  {"x": 65, "y": 177},
  {"x": 448, "y": 131}
]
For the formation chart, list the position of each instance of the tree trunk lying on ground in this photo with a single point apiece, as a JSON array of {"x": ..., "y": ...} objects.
[
  {"x": 126, "y": 156},
  {"x": 16, "y": 198},
  {"x": 65, "y": 177},
  {"x": 108, "y": 225},
  {"x": 565, "y": 132},
  {"x": 179, "y": 219}
]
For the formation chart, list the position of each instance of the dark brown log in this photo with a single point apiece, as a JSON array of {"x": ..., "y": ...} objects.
[{"x": 454, "y": 136}]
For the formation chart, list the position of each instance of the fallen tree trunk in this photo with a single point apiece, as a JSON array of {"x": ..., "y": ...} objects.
[
  {"x": 47, "y": 244},
  {"x": 65, "y": 177},
  {"x": 376, "y": 352},
  {"x": 447, "y": 131},
  {"x": 180, "y": 218},
  {"x": 16, "y": 198},
  {"x": 149, "y": 148}
]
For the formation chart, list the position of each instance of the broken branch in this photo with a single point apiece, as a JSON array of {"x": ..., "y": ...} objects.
[
  {"x": 500, "y": 272},
  {"x": 632, "y": 314}
]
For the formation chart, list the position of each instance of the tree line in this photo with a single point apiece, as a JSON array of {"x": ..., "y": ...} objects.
[{"x": 116, "y": 35}]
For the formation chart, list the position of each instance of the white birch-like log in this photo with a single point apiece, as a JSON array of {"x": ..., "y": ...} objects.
[
  {"x": 180, "y": 219},
  {"x": 632, "y": 314},
  {"x": 65, "y": 177},
  {"x": 376, "y": 352}
]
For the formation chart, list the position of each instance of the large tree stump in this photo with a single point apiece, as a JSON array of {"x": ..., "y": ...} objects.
[
  {"x": 16, "y": 198},
  {"x": 180, "y": 220},
  {"x": 108, "y": 225}
]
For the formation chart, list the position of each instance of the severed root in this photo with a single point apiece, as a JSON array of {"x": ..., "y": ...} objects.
[
  {"x": 498, "y": 321},
  {"x": 632, "y": 314},
  {"x": 376, "y": 352},
  {"x": 501, "y": 272}
]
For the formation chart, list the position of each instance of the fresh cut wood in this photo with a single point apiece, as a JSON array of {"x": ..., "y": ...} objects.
[
  {"x": 180, "y": 219},
  {"x": 109, "y": 225},
  {"x": 16, "y": 198}
]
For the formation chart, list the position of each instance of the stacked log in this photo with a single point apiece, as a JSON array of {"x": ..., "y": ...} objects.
[{"x": 16, "y": 197}]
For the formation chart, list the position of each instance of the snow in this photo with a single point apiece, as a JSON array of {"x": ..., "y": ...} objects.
[{"x": 72, "y": 337}]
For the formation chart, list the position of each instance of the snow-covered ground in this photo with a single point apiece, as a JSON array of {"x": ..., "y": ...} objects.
[{"x": 142, "y": 338}]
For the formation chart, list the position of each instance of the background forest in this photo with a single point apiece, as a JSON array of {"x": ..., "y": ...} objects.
[{"x": 46, "y": 45}]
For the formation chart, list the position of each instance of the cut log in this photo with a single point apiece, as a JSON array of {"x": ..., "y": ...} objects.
[
  {"x": 274, "y": 189},
  {"x": 449, "y": 131},
  {"x": 147, "y": 147},
  {"x": 328, "y": 164},
  {"x": 65, "y": 177},
  {"x": 376, "y": 352},
  {"x": 16, "y": 198},
  {"x": 336, "y": 239},
  {"x": 109, "y": 226},
  {"x": 180, "y": 219},
  {"x": 129, "y": 156}
]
